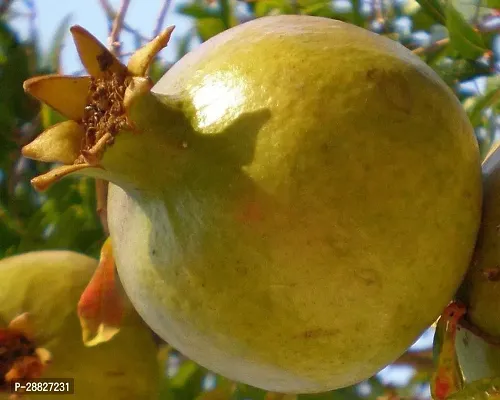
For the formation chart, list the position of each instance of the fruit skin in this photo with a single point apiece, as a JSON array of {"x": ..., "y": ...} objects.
[
  {"x": 47, "y": 284},
  {"x": 326, "y": 225},
  {"x": 481, "y": 287}
]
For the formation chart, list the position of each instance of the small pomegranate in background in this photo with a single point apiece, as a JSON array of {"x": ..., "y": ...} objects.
[{"x": 41, "y": 337}]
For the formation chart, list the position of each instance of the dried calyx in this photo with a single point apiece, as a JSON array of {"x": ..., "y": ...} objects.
[
  {"x": 20, "y": 358},
  {"x": 94, "y": 105},
  {"x": 104, "y": 115}
]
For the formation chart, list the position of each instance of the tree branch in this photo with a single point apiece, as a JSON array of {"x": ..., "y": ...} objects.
[
  {"x": 4, "y": 6},
  {"x": 161, "y": 17},
  {"x": 114, "y": 37},
  {"x": 420, "y": 360},
  {"x": 111, "y": 14},
  {"x": 432, "y": 48}
]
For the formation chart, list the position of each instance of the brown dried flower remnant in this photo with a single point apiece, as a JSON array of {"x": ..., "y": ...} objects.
[{"x": 104, "y": 114}]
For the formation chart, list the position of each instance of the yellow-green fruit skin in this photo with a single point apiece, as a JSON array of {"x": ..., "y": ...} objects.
[
  {"x": 48, "y": 284},
  {"x": 337, "y": 232}
]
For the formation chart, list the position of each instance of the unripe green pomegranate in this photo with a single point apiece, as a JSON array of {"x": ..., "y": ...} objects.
[
  {"x": 291, "y": 205},
  {"x": 42, "y": 288},
  {"x": 478, "y": 344}
]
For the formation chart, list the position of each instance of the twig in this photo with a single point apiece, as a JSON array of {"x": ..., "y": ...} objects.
[
  {"x": 161, "y": 17},
  {"x": 420, "y": 360},
  {"x": 432, "y": 48},
  {"x": 30, "y": 4},
  {"x": 379, "y": 11},
  {"x": 101, "y": 189},
  {"x": 4, "y": 6},
  {"x": 111, "y": 14},
  {"x": 114, "y": 37}
]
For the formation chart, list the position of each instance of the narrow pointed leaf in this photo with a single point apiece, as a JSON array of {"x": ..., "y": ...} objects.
[
  {"x": 101, "y": 306},
  {"x": 467, "y": 41},
  {"x": 66, "y": 94},
  {"x": 434, "y": 10},
  {"x": 447, "y": 378},
  {"x": 488, "y": 100}
]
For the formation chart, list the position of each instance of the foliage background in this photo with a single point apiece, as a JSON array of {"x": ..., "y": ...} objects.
[{"x": 457, "y": 38}]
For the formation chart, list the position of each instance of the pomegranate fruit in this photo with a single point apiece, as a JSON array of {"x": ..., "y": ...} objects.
[
  {"x": 478, "y": 344},
  {"x": 291, "y": 205},
  {"x": 40, "y": 335}
]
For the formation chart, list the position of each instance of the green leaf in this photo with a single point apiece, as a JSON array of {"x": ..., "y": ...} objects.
[
  {"x": 187, "y": 383},
  {"x": 49, "y": 116},
  {"x": 10, "y": 232},
  {"x": 422, "y": 21},
  {"x": 463, "y": 37},
  {"x": 164, "y": 391},
  {"x": 471, "y": 10},
  {"x": 348, "y": 393},
  {"x": 197, "y": 10},
  {"x": 357, "y": 18},
  {"x": 226, "y": 13},
  {"x": 209, "y": 27},
  {"x": 321, "y": 8},
  {"x": 453, "y": 71},
  {"x": 183, "y": 44},
  {"x": 266, "y": 7},
  {"x": 15, "y": 106},
  {"x": 493, "y": 3},
  {"x": 247, "y": 392},
  {"x": 490, "y": 99},
  {"x": 434, "y": 9},
  {"x": 484, "y": 389}
]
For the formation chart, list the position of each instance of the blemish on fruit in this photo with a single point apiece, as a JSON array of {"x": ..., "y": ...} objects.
[
  {"x": 370, "y": 74},
  {"x": 316, "y": 333},
  {"x": 105, "y": 60},
  {"x": 394, "y": 88},
  {"x": 492, "y": 274},
  {"x": 251, "y": 212}
]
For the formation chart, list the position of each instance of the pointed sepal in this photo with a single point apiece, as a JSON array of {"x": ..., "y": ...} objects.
[
  {"x": 60, "y": 143},
  {"x": 142, "y": 58},
  {"x": 101, "y": 306},
  {"x": 43, "y": 182},
  {"x": 23, "y": 325},
  {"x": 447, "y": 378},
  {"x": 65, "y": 94},
  {"x": 95, "y": 57}
]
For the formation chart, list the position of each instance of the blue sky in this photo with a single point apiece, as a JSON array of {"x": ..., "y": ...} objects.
[{"x": 141, "y": 15}]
